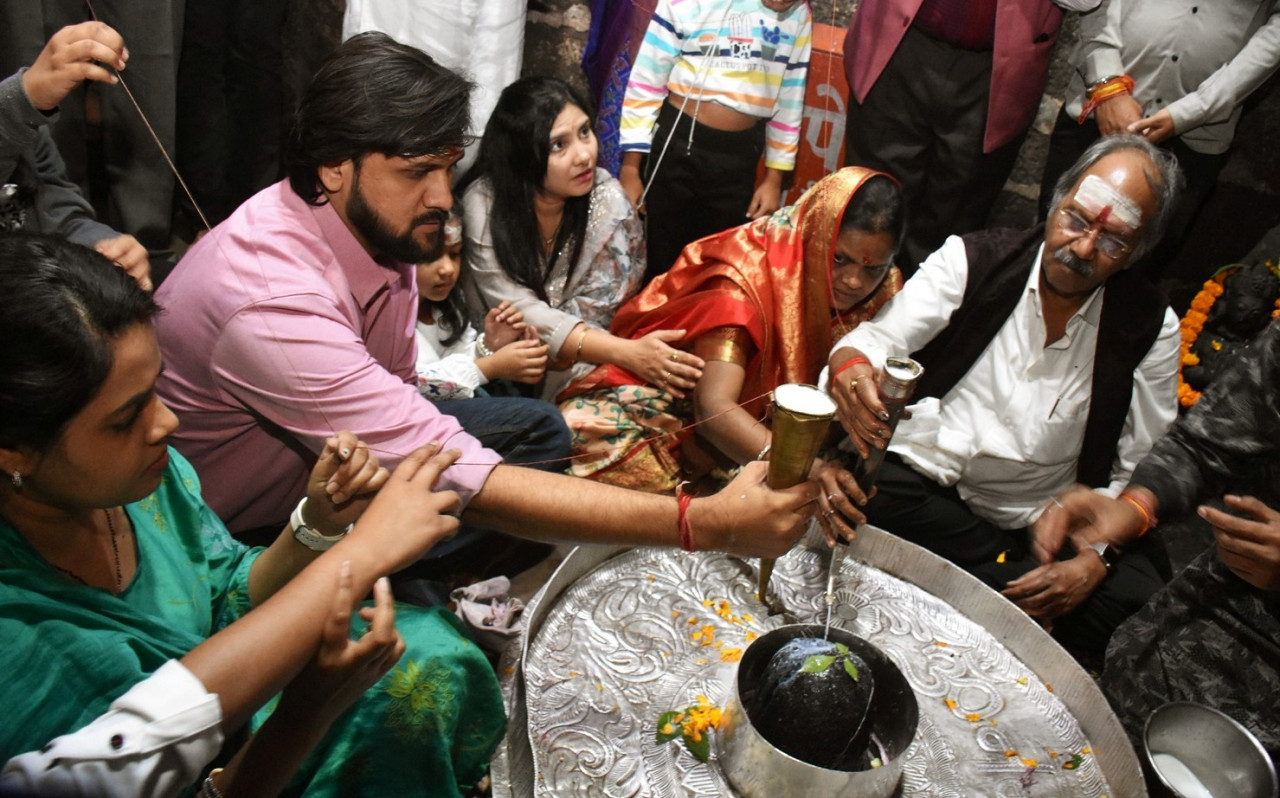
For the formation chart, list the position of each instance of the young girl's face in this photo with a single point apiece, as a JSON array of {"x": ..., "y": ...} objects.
[
  {"x": 437, "y": 278},
  {"x": 571, "y": 163}
]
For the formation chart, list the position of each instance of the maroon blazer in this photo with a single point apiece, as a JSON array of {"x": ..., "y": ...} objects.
[{"x": 1026, "y": 31}]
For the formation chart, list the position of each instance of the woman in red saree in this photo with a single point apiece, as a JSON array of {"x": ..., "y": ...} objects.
[{"x": 761, "y": 304}]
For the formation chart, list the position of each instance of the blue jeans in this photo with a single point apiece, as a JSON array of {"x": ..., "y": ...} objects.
[{"x": 526, "y": 432}]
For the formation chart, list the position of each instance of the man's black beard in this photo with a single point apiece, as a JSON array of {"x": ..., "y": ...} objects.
[
  {"x": 400, "y": 247},
  {"x": 1079, "y": 265}
]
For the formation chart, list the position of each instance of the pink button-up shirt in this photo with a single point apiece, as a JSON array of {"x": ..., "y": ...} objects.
[{"x": 278, "y": 330}]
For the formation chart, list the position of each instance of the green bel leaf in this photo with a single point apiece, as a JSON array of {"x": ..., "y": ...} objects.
[
  {"x": 702, "y": 748},
  {"x": 817, "y": 663},
  {"x": 851, "y": 669},
  {"x": 666, "y": 721},
  {"x": 841, "y": 648}
]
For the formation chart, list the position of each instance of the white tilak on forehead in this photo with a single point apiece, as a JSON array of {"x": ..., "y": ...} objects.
[{"x": 1098, "y": 197}]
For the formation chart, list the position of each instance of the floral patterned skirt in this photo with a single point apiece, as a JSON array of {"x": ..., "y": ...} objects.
[{"x": 629, "y": 436}]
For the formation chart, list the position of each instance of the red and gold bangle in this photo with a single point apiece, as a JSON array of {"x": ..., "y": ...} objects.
[
  {"x": 1144, "y": 507},
  {"x": 1105, "y": 90},
  {"x": 683, "y": 500},
  {"x": 845, "y": 366}
]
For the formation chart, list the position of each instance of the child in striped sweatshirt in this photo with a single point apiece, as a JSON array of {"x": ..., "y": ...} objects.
[{"x": 715, "y": 84}]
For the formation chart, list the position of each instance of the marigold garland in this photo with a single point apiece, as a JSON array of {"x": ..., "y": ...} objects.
[{"x": 1193, "y": 323}]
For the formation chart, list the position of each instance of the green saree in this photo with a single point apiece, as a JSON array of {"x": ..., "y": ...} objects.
[{"x": 427, "y": 728}]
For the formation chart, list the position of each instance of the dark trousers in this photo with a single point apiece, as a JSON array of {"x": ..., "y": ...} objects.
[
  {"x": 696, "y": 190},
  {"x": 1069, "y": 141},
  {"x": 917, "y": 509},
  {"x": 230, "y": 101},
  {"x": 923, "y": 122}
]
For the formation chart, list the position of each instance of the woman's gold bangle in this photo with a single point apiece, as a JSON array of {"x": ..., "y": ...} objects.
[{"x": 577, "y": 355}]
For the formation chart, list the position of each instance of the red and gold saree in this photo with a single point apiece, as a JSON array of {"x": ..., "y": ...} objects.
[{"x": 770, "y": 278}]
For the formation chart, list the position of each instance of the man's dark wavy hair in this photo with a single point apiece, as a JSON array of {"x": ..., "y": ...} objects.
[{"x": 373, "y": 94}]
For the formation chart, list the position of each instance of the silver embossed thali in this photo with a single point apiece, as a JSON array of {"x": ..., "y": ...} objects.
[{"x": 610, "y": 646}]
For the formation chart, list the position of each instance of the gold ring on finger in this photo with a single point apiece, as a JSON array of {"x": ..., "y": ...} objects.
[
  {"x": 853, "y": 384},
  {"x": 830, "y": 512},
  {"x": 675, "y": 355},
  {"x": 832, "y": 496}
]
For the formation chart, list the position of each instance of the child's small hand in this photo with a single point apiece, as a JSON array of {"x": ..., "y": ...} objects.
[
  {"x": 629, "y": 178},
  {"x": 519, "y": 361},
  {"x": 502, "y": 325},
  {"x": 768, "y": 195}
]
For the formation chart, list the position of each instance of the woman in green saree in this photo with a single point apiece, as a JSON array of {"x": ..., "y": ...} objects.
[{"x": 113, "y": 572}]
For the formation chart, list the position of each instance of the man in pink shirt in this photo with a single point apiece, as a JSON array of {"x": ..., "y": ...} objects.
[{"x": 295, "y": 318}]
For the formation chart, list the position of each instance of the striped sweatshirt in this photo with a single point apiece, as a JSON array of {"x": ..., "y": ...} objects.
[{"x": 733, "y": 52}]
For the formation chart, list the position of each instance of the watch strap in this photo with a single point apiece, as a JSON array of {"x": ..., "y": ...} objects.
[
  {"x": 1109, "y": 555},
  {"x": 307, "y": 535}
]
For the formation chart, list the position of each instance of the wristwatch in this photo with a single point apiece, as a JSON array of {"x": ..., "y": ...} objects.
[
  {"x": 308, "y": 536},
  {"x": 1110, "y": 555}
]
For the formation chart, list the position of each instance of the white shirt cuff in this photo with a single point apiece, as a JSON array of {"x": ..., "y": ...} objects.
[{"x": 153, "y": 740}]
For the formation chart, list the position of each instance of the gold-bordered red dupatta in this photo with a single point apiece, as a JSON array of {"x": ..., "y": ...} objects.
[{"x": 782, "y": 264}]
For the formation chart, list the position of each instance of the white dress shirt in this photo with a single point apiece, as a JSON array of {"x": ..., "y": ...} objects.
[
  {"x": 1009, "y": 433},
  {"x": 1198, "y": 60},
  {"x": 153, "y": 740}
]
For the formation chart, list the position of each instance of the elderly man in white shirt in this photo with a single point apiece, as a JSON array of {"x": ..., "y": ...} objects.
[{"x": 1046, "y": 363}]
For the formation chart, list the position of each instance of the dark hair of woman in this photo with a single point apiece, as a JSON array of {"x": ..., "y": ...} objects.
[
  {"x": 513, "y": 156},
  {"x": 877, "y": 207},
  {"x": 374, "y": 94},
  {"x": 63, "y": 306}
]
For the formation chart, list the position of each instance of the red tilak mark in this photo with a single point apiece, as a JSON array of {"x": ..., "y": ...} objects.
[{"x": 1104, "y": 216}]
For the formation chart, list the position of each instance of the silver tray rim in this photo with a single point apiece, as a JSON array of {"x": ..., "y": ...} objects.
[{"x": 514, "y": 769}]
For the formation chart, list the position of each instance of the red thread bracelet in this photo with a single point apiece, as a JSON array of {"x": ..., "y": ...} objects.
[
  {"x": 1140, "y": 502},
  {"x": 683, "y": 500},
  {"x": 853, "y": 361}
]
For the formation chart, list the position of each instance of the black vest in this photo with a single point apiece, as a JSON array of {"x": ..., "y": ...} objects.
[{"x": 1000, "y": 262}]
